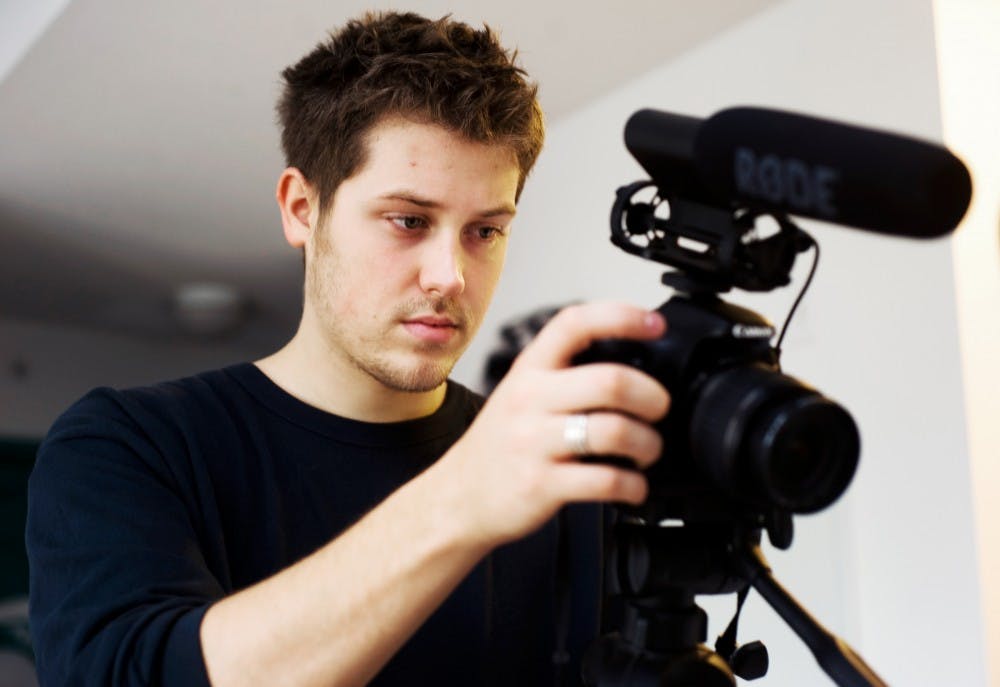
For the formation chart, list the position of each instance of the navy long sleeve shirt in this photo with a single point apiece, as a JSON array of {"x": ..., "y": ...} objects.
[{"x": 147, "y": 505}]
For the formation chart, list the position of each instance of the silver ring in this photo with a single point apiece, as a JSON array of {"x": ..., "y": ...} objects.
[{"x": 575, "y": 434}]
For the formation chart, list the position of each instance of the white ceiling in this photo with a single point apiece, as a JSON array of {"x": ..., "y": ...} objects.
[{"x": 138, "y": 150}]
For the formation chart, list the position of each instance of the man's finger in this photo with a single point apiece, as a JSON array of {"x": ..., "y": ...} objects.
[
  {"x": 576, "y": 327},
  {"x": 575, "y": 482},
  {"x": 605, "y": 386},
  {"x": 604, "y": 434}
]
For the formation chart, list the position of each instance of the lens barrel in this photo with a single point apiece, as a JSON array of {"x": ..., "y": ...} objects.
[{"x": 771, "y": 440}]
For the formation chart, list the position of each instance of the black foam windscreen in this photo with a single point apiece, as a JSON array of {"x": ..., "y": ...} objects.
[{"x": 807, "y": 166}]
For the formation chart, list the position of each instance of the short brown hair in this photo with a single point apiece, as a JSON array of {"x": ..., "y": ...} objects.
[{"x": 443, "y": 72}]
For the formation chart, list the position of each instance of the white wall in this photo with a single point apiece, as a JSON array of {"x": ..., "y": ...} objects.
[
  {"x": 892, "y": 567},
  {"x": 21, "y": 23},
  {"x": 969, "y": 67}
]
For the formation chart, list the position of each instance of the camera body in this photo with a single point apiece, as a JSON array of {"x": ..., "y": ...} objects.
[{"x": 741, "y": 440}]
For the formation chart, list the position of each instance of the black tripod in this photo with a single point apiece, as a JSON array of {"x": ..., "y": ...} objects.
[{"x": 657, "y": 571}]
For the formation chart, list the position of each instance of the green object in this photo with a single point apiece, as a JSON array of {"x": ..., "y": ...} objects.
[{"x": 17, "y": 456}]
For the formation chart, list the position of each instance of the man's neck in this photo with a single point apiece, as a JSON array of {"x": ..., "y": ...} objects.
[{"x": 309, "y": 371}]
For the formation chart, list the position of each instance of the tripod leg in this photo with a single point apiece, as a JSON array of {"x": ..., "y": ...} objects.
[{"x": 838, "y": 660}]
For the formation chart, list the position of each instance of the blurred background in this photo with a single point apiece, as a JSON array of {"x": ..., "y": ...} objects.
[{"x": 139, "y": 240}]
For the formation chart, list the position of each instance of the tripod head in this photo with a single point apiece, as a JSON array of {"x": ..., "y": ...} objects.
[{"x": 656, "y": 571}]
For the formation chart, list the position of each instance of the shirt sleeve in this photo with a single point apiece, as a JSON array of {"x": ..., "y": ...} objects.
[{"x": 118, "y": 580}]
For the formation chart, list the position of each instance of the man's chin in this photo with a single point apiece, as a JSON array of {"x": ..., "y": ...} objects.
[
  {"x": 417, "y": 385},
  {"x": 416, "y": 379}
]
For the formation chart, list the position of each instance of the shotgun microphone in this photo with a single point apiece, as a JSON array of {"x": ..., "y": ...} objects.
[{"x": 777, "y": 161}]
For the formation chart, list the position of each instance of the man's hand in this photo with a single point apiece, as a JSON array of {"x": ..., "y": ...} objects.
[{"x": 515, "y": 467}]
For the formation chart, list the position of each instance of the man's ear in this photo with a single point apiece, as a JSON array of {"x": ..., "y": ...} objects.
[{"x": 299, "y": 204}]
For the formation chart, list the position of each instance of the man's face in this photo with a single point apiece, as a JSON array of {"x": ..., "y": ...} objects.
[{"x": 401, "y": 272}]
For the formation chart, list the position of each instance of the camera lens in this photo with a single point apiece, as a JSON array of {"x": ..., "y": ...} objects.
[
  {"x": 804, "y": 451},
  {"x": 771, "y": 440}
]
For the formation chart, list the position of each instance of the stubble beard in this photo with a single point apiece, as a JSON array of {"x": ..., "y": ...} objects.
[
  {"x": 411, "y": 367},
  {"x": 419, "y": 379},
  {"x": 416, "y": 367}
]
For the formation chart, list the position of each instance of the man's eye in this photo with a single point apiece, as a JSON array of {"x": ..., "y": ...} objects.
[
  {"x": 487, "y": 233},
  {"x": 409, "y": 222}
]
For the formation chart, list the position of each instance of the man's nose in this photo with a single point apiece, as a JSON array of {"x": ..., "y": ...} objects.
[{"x": 442, "y": 268}]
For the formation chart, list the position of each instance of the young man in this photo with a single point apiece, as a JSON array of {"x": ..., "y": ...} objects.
[{"x": 339, "y": 513}]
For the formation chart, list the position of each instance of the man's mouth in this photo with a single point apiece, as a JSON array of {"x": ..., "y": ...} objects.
[
  {"x": 432, "y": 329},
  {"x": 433, "y": 321}
]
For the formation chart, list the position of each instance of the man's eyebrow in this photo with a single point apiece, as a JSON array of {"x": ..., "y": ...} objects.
[{"x": 420, "y": 201}]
